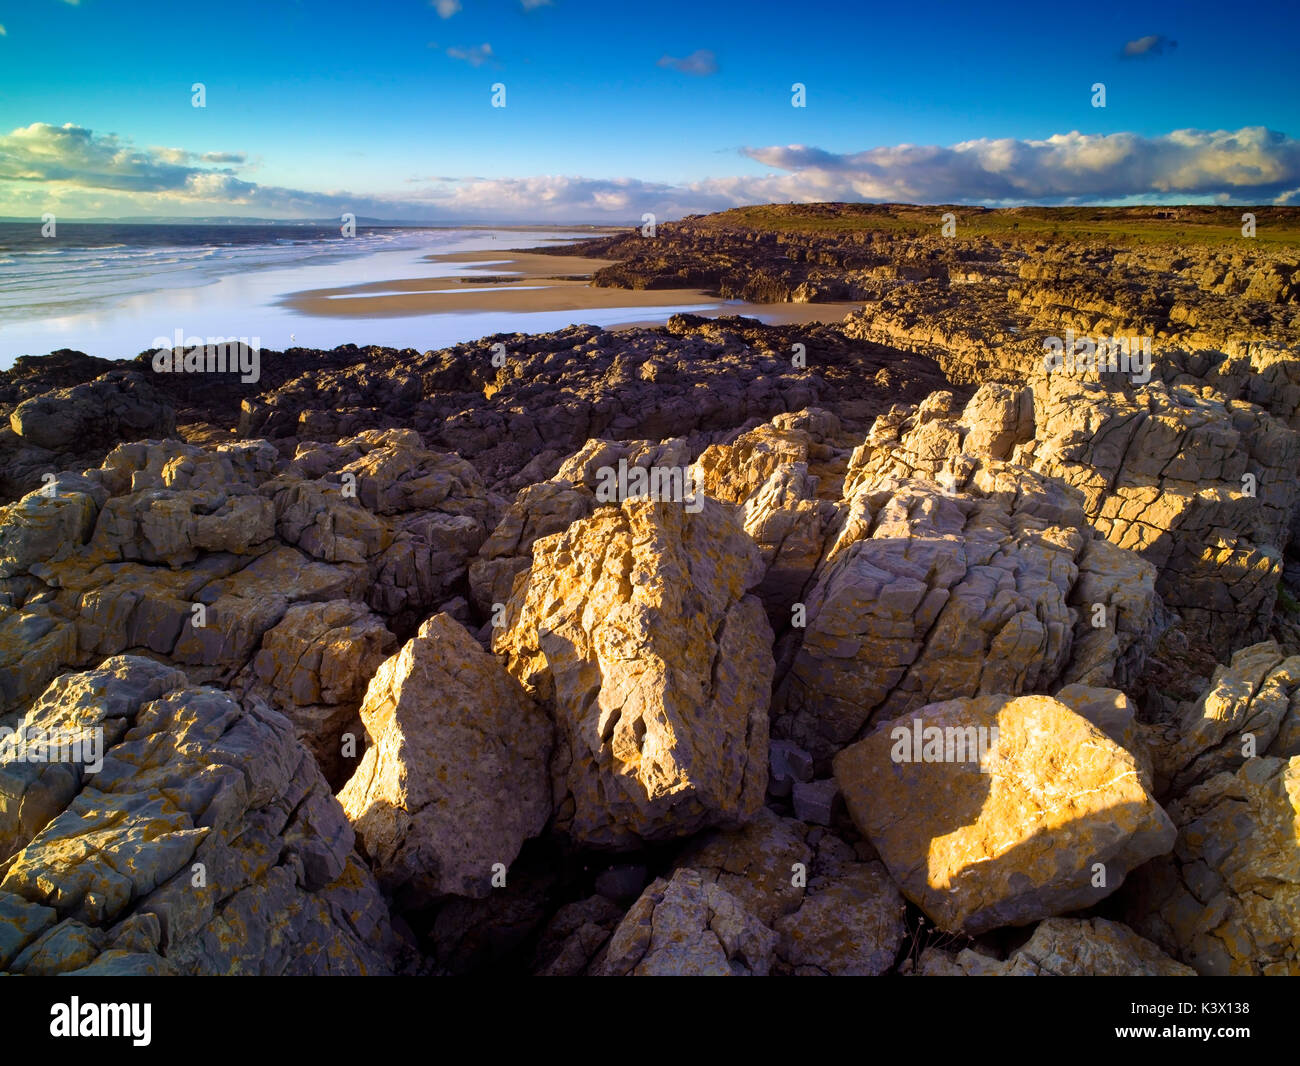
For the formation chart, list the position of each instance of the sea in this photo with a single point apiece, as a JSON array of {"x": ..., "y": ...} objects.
[{"x": 111, "y": 289}]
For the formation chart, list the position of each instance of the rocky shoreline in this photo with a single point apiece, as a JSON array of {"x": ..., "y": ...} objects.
[{"x": 928, "y": 661}]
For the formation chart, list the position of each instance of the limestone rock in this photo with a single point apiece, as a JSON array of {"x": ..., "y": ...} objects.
[
  {"x": 584, "y": 467},
  {"x": 852, "y": 925},
  {"x": 313, "y": 667},
  {"x": 757, "y": 864},
  {"x": 832, "y": 913},
  {"x": 1164, "y": 473},
  {"x": 1227, "y": 901},
  {"x": 552, "y": 506},
  {"x": 734, "y": 472},
  {"x": 50, "y": 523},
  {"x": 206, "y": 843},
  {"x": 815, "y": 802},
  {"x": 787, "y": 764},
  {"x": 1115, "y": 715},
  {"x": 456, "y": 778},
  {"x": 538, "y": 511},
  {"x": 1183, "y": 470},
  {"x": 100, "y": 413},
  {"x": 978, "y": 850},
  {"x": 1251, "y": 708},
  {"x": 1062, "y": 947},
  {"x": 195, "y": 554},
  {"x": 791, "y": 527},
  {"x": 926, "y": 596},
  {"x": 688, "y": 926},
  {"x": 636, "y": 630},
  {"x": 574, "y": 936},
  {"x": 1119, "y": 616}
]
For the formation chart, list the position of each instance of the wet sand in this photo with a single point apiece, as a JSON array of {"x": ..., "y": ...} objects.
[{"x": 512, "y": 281}]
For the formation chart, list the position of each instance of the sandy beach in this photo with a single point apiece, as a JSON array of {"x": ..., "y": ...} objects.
[{"x": 516, "y": 281}]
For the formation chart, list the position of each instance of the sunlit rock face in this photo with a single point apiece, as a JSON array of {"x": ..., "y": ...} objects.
[
  {"x": 207, "y": 842},
  {"x": 1196, "y": 473},
  {"x": 1227, "y": 900},
  {"x": 456, "y": 778},
  {"x": 637, "y": 631},
  {"x": 234, "y": 563},
  {"x": 925, "y": 594},
  {"x": 982, "y": 829}
]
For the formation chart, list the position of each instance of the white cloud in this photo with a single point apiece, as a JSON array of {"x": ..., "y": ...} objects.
[
  {"x": 1253, "y": 162},
  {"x": 446, "y": 8},
  {"x": 475, "y": 57},
  {"x": 700, "y": 63},
  {"x": 75, "y": 167},
  {"x": 181, "y": 156}
]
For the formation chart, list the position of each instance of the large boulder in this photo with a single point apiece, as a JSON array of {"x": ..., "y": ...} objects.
[
  {"x": 636, "y": 630},
  {"x": 95, "y": 414},
  {"x": 456, "y": 778},
  {"x": 927, "y": 594},
  {"x": 998, "y": 811},
  {"x": 688, "y": 926}
]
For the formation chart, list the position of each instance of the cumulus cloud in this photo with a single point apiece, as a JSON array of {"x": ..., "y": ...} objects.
[
  {"x": 1154, "y": 44},
  {"x": 1252, "y": 162},
  {"x": 55, "y": 161},
  {"x": 700, "y": 63},
  {"x": 475, "y": 56},
  {"x": 547, "y": 195},
  {"x": 446, "y": 8},
  {"x": 181, "y": 156},
  {"x": 81, "y": 169},
  {"x": 45, "y": 153}
]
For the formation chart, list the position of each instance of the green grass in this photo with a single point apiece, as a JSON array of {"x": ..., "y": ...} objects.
[{"x": 1195, "y": 224}]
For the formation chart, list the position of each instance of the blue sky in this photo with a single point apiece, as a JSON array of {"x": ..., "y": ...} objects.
[{"x": 385, "y": 108}]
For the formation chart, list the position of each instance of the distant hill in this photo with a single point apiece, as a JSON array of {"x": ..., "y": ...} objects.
[{"x": 1159, "y": 223}]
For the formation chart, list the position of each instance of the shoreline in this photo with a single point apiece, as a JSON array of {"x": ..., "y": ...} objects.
[{"x": 515, "y": 281}]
